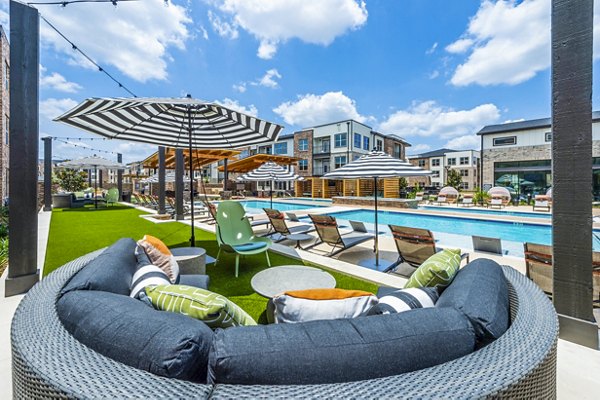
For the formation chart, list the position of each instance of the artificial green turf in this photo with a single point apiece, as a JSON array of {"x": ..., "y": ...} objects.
[{"x": 75, "y": 232}]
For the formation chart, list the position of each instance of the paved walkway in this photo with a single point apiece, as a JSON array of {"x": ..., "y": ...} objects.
[{"x": 578, "y": 366}]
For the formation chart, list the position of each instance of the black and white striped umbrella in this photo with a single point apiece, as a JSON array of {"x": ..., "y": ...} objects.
[
  {"x": 271, "y": 171},
  {"x": 182, "y": 123},
  {"x": 376, "y": 164}
]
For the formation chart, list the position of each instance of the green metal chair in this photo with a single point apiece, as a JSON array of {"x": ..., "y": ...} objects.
[
  {"x": 235, "y": 235},
  {"x": 112, "y": 197}
]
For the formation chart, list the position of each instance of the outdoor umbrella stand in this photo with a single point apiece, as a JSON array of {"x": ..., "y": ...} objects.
[{"x": 270, "y": 172}]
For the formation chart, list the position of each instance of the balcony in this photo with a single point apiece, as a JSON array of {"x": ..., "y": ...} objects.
[
  {"x": 323, "y": 149},
  {"x": 321, "y": 170}
]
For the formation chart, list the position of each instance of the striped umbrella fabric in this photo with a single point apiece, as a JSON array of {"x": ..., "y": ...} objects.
[
  {"x": 168, "y": 122},
  {"x": 271, "y": 171},
  {"x": 377, "y": 164},
  {"x": 182, "y": 123}
]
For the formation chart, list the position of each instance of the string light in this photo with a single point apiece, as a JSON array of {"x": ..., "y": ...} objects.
[
  {"x": 66, "y": 141},
  {"x": 66, "y": 3}
]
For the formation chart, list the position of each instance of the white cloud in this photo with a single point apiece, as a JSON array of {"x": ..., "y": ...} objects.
[
  {"x": 430, "y": 119},
  {"x": 269, "y": 79},
  {"x": 241, "y": 87},
  {"x": 434, "y": 74},
  {"x": 418, "y": 148},
  {"x": 235, "y": 105},
  {"x": 52, "y": 108},
  {"x": 276, "y": 21},
  {"x": 460, "y": 46},
  {"x": 204, "y": 33},
  {"x": 508, "y": 121},
  {"x": 432, "y": 49},
  {"x": 132, "y": 151},
  {"x": 57, "y": 82},
  {"x": 4, "y": 19},
  {"x": 312, "y": 109},
  {"x": 133, "y": 38},
  {"x": 223, "y": 28},
  {"x": 466, "y": 142}
]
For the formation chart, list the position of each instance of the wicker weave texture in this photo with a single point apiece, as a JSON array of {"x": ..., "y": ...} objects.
[{"x": 49, "y": 363}]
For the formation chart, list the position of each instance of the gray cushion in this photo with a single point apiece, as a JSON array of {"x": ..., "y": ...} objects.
[
  {"x": 111, "y": 271},
  {"x": 196, "y": 280},
  {"x": 480, "y": 291},
  {"x": 130, "y": 332},
  {"x": 329, "y": 351}
]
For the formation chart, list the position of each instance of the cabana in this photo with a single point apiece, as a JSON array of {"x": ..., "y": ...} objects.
[{"x": 499, "y": 196}]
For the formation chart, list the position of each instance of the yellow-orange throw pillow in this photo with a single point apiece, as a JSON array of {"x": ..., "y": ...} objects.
[{"x": 160, "y": 255}]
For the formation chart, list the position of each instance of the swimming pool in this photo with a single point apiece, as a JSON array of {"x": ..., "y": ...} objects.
[
  {"x": 318, "y": 200},
  {"x": 488, "y": 212},
  {"x": 453, "y": 231},
  {"x": 256, "y": 206}
]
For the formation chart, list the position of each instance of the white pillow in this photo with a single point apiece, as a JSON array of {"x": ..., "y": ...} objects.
[{"x": 148, "y": 275}]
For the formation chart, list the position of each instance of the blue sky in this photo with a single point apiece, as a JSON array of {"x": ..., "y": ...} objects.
[{"x": 431, "y": 71}]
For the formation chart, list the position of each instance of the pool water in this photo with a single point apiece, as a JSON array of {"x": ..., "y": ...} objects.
[
  {"x": 488, "y": 212},
  {"x": 256, "y": 206},
  {"x": 452, "y": 231}
]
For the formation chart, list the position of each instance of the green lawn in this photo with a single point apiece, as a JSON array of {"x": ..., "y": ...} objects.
[{"x": 75, "y": 232}]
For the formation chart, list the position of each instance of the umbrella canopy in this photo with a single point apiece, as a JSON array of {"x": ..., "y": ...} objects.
[
  {"x": 169, "y": 177},
  {"x": 270, "y": 171},
  {"x": 94, "y": 163},
  {"x": 376, "y": 164},
  {"x": 182, "y": 123},
  {"x": 448, "y": 191}
]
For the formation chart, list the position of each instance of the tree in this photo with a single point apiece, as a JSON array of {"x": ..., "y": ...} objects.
[
  {"x": 70, "y": 180},
  {"x": 454, "y": 179}
]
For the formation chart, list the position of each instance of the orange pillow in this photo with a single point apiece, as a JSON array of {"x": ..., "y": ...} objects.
[
  {"x": 160, "y": 255},
  {"x": 327, "y": 294}
]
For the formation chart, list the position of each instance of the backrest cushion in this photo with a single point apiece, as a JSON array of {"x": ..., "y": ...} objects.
[
  {"x": 330, "y": 351},
  {"x": 480, "y": 291},
  {"x": 147, "y": 275},
  {"x": 405, "y": 300},
  {"x": 214, "y": 309},
  {"x": 437, "y": 271},
  {"x": 111, "y": 271},
  {"x": 130, "y": 332},
  {"x": 315, "y": 304},
  {"x": 160, "y": 255}
]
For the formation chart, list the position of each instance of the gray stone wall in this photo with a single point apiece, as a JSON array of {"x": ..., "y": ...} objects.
[
  {"x": 504, "y": 154},
  {"x": 4, "y": 113}
]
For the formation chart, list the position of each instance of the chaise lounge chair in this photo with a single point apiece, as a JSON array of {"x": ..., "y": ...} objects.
[
  {"x": 541, "y": 201},
  {"x": 414, "y": 246},
  {"x": 467, "y": 200},
  {"x": 538, "y": 263},
  {"x": 328, "y": 231},
  {"x": 280, "y": 227},
  {"x": 235, "y": 235}
]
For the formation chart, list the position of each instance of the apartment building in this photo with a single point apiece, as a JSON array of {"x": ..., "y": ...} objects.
[
  {"x": 441, "y": 161},
  {"x": 518, "y": 155},
  {"x": 4, "y": 112}
]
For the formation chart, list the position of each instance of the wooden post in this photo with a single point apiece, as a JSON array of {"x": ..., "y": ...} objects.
[
  {"x": 572, "y": 29},
  {"x": 358, "y": 193}
]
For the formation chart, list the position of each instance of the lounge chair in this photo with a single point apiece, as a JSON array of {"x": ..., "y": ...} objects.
[
  {"x": 542, "y": 202},
  {"x": 467, "y": 200},
  {"x": 235, "y": 235},
  {"x": 538, "y": 264},
  {"x": 112, "y": 197},
  {"x": 328, "y": 231},
  {"x": 277, "y": 220},
  {"x": 441, "y": 199},
  {"x": 414, "y": 246},
  {"x": 419, "y": 197},
  {"x": 487, "y": 244},
  {"x": 496, "y": 202}
]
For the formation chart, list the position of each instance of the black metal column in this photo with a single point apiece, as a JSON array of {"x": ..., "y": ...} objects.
[
  {"x": 99, "y": 178},
  {"x": 161, "y": 180},
  {"x": 179, "y": 167},
  {"x": 225, "y": 174},
  {"x": 90, "y": 178},
  {"x": 24, "y": 137},
  {"x": 120, "y": 176},
  {"x": 47, "y": 173},
  {"x": 572, "y": 27}
]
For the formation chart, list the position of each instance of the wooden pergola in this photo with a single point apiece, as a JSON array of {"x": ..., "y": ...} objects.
[
  {"x": 250, "y": 163},
  {"x": 200, "y": 157}
]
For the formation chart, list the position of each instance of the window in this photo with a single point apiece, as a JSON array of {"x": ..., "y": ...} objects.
[
  {"x": 548, "y": 136},
  {"x": 264, "y": 150},
  {"x": 340, "y": 140},
  {"x": 421, "y": 163},
  {"x": 340, "y": 161},
  {"x": 243, "y": 154},
  {"x": 464, "y": 161},
  {"x": 379, "y": 145},
  {"x": 6, "y": 130},
  {"x": 436, "y": 174},
  {"x": 464, "y": 172},
  {"x": 397, "y": 150},
  {"x": 435, "y": 162},
  {"x": 357, "y": 140},
  {"x": 303, "y": 165},
  {"x": 452, "y": 161},
  {"x": 505, "y": 141},
  {"x": 280, "y": 148},
  {"x": 302, "y": 144},
  {"x": 366, "y": 143},
  {"x": 464, "y": 185}
]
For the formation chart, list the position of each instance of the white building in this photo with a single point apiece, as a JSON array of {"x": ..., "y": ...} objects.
[{"x": 441, "y": 161}]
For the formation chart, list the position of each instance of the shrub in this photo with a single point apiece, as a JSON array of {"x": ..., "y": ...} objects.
[
  {"x": 70, "y": 180},
  {"x": 3, "y": 254}
]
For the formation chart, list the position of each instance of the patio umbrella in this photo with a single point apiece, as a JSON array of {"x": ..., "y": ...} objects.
[
  {"x": 182, "y": 123},
  {"x": 270, "y": 171},
  {"x": 94, "y": 163},
  {"x": 376, "y": 165}
]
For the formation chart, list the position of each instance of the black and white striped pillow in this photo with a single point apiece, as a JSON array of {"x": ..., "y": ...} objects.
[
  {"x": 148, "y": 275},
  {"x": 405, "y": 300}
]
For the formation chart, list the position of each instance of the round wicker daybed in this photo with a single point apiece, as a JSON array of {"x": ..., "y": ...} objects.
[{"x": 49, "y": 363}]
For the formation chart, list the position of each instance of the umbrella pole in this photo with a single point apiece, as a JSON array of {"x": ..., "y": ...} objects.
[
  {"x": 376, "y": 228},
  {"x": 193, "y": 237},
  {"x": 271, "y": 193},
  {"x": 95, "y": 187}
]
